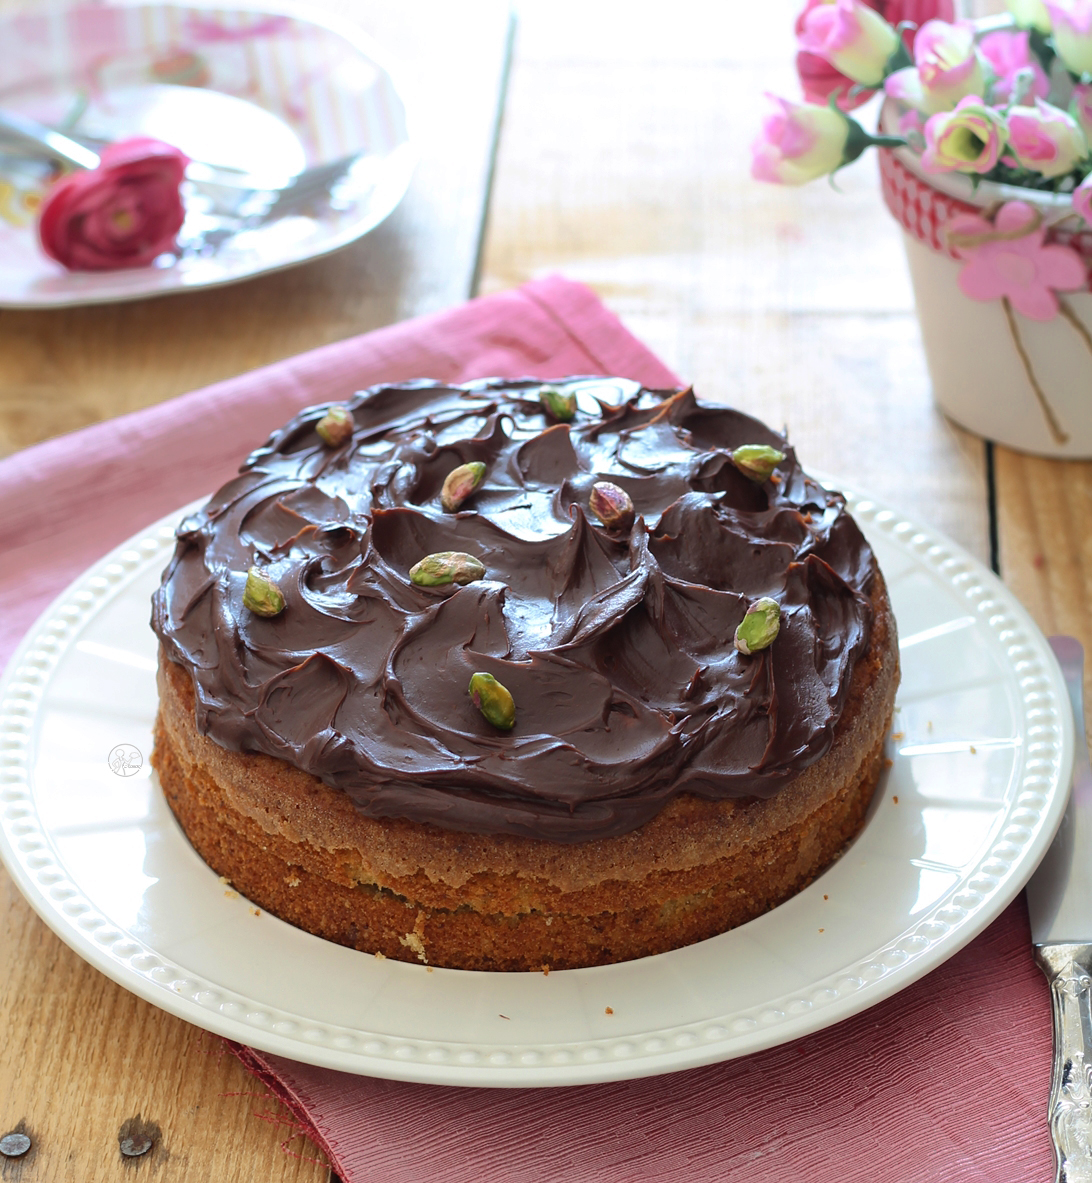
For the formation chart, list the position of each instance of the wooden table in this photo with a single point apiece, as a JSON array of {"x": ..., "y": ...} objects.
[{"x": 623, "y": 163}]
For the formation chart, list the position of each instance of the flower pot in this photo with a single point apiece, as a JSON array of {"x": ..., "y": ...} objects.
[{"x": 1024, "y": 383}]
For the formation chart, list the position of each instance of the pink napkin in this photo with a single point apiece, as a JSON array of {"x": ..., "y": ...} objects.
[{"x": 946, "y": 1081}]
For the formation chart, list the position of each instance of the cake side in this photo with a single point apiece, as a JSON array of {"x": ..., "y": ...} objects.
[{"x": 412, "y": 891}]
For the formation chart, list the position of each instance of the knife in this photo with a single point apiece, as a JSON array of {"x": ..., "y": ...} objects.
[{"x": 1060, "y": 907}]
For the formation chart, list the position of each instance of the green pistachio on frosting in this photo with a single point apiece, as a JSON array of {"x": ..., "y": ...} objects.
[
  {"x": 558, "y": 404},
  {"x": 493, "y": 700},
  {"x": 611, "y": 505},
  {"x": 757, "y": 461},
  {"x": 335, "y": 427},
  {"x": 261, "y": 595},
  {"x": 446, "y": 566},
  {"x": 460, "y": 483},
  {"x": 759, "y": 626}
]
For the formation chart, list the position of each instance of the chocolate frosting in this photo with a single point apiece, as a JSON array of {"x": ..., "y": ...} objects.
[{"x": 617, "y": 647}]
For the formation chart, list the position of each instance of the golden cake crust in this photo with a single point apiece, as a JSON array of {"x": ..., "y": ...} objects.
[{"x": 407, "y": 890}]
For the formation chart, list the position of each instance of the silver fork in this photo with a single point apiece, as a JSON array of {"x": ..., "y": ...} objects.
[{"x": 228, "y": 192}]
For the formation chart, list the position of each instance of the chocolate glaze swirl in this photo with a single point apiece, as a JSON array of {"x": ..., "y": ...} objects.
[{"x": 617, "y": 648}]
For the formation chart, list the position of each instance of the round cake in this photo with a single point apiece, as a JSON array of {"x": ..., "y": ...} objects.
[{"x": 521, "y": 676}]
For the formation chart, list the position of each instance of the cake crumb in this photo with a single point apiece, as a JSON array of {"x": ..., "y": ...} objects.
[
  {"x": 293, "y": 882},
  {"x": 895, "y": 799},
  {"x": 428, "y": 969},
  {"x": 609, "y": 1010},
  {"x": 231, "y": 895},
  {"x": 256, "y": 911},
  {"x": 888, "y": 763},
  {"x": 929, "y": 725},
  {"x": 897, "y": 735},
  {"x": 416, "y": 940},
  {"x": 412, "y": 941},
  {"x": 380, "y": 956},
  {"x": 826, "y": 897},
  {"x": 822, "y": 930},
  {"x": 545, "y": 971},
  {"x": 974, "y": 750},
  {"x": 225, "y": 880}
]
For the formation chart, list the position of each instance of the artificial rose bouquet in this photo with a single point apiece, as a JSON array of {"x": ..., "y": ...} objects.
[{"x": 1011, "y": 104}]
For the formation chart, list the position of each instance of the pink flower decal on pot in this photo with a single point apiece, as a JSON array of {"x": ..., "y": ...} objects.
[
  {"x": 125, "y": 213},
  {"x": 1007, "y": 259}
]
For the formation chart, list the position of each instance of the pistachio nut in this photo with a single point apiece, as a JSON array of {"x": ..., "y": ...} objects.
[
  {"x": 460, "y": 483},
  {"x": 335, "y": 427},
  {"x": 611, "y": 505},
  {"x": 558, "y": 404},
  {"x": 759, "y": 626},
  {"x": 261, "y": 595},
  {"x": 493, "y": 700},
  {"x": 757, "y": 461},
  {"x": 446, "y": 566}
]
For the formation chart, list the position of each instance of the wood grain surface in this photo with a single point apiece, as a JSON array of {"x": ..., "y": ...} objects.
[
  {"x": 622, "y": 162},
  {"x": 1044, "y": 521}
]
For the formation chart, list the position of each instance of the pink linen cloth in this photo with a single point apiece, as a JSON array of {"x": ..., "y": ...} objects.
[{"x": 946, "y": 1081}]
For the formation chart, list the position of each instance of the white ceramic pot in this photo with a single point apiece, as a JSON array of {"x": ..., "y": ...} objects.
[{"x": 984, "y": 366}]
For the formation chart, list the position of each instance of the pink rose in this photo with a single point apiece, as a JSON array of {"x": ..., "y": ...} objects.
[
  {"x": 1082, "y": 199},
  {"x": 1045, "y": 139},
  {"x": 819, "y": 79},
  {"x": 967, "y": 140},
  {"x": 852, "y": 37},
  {"x": 947, "y": 68},
  {"x": 1008, "y": 53},
  {"x": 1072, "y": 20},
  {"x": 798, "y": 143},
  {"x": 124, "y": 213}
]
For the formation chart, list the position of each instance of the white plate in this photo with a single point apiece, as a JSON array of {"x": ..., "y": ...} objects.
[
  {"x": 982, "y": 758},
  {"x": 259, "y": 90}
]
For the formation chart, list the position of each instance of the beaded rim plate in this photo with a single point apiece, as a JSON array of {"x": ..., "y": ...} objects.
[{"x": 981, "y": 760}]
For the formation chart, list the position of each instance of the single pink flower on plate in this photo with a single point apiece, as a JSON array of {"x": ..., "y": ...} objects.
[
  {"x": 969, "y": 139},
  {"x": 852, "y": 37},
  {"x": 798, "y": 142},
  {"x": 125, "y": 213},
  {"x": 1046, "y": 139},
  {"x": 1008, "y": 52},
  {"x": 1008, "y": 263}
]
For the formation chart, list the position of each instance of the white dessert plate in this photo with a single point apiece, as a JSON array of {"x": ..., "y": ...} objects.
[
  {"x": 982, "y": 752},
  {"x": 268, "y": 92}
]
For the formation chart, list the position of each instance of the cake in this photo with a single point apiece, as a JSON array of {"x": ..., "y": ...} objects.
[{"x": 522, "y": 676}]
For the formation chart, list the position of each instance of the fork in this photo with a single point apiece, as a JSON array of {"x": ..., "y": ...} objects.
[{"x": 232, "y": 192}]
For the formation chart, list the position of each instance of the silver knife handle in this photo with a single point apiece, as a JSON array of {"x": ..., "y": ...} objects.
[{"x": 1068, "y": 969}]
